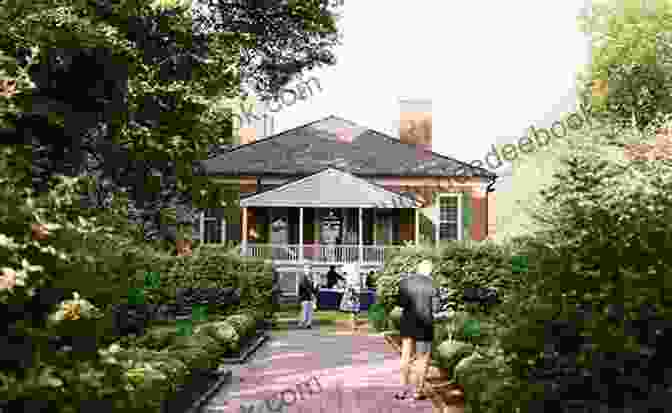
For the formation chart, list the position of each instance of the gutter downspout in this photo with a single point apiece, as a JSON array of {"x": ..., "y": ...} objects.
[{"x": 488, "y": 189}]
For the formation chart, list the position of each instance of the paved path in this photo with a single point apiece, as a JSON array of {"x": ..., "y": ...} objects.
[{"x": 355, "y": 374}]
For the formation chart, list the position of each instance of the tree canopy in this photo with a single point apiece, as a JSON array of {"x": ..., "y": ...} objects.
[
  {"x": 126, "y": 90},
  {"x": 629, "y": 77}
]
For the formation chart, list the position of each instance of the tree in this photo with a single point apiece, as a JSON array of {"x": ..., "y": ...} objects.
[
  {"x": 629, "y": 78},
  {"x": 597, "y": 301},
  {"x": 146, "y": 119}
]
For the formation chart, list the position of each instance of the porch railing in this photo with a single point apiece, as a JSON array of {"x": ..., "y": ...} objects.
[{"x": 374, "y": 254}]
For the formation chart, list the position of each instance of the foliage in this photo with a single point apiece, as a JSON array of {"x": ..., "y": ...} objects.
[
  {"x": 211, "y": 267},
  {"x": 596, "y": 302},
  {"x": 629, "y": 79},
  {"x": 458, "y": 265},
  {"x": 50, "y": 343},
  {"x": 474, "y": 357},
  {"x": 244, "y": 324},
  {"x": 146, "y": 120},
  {"x": 533, "y": 172}
]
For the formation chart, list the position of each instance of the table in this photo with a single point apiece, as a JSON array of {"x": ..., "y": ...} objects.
[{"x": 330, "y": 299}]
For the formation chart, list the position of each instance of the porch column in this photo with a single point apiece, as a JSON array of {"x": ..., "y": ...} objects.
[
  {"x": 201, "y": 227},
  {"x": 417, "y": 226},
  {"x": 373, "y": 237},
  {"x": 360, "y": 228},
  {"x": 301, "y": 234},
  {"x": 244, "y": 240}
]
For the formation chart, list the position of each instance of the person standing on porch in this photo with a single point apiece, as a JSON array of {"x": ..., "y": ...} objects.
[
  {"x": 306, "y": 293},
  {"x": 333, "y": 277},
  {"x": 418, "y": 298},
  {"x": 350, "y": 300}
]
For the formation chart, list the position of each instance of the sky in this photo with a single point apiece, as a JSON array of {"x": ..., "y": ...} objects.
[{"x": 490, "y": 70}]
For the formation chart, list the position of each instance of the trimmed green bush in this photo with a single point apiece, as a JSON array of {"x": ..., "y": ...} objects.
[
  {"x": 158, "y": 338},
  {"x": 212, "y": 267},
  {"x": 457, "y": 265},
  {"x": 449, "y": 353},
  {"x": 395, "y": 317},
  {"x": 223, "y": 332},
  {"x": 244, "y": 324}
]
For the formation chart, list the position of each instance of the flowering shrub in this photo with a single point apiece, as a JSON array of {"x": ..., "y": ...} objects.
[
  {"x": 75, "y": 309},
  {"x": 50, "y": 248}
]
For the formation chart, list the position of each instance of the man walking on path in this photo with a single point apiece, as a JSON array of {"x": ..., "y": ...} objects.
[
  {"x": 418, "y": 298},
  {"x": 306, "y": 293}
]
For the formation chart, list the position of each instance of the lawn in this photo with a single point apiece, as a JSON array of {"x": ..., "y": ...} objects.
[{"x": 327, "y": 320}]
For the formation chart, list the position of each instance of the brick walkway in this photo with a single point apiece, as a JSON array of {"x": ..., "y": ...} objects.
[{"x": 356, "y": 373}]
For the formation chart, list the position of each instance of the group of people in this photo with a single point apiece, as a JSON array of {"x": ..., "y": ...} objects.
[
  {"x": 350, "y": 302},
  {"x": 420, "y": 302}
]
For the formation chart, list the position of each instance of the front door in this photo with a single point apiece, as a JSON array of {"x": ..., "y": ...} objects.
[
  {"x": 330, "y": 233},
  {"x": 388, "y": 224},
  {"x": 279, "y": 232}
]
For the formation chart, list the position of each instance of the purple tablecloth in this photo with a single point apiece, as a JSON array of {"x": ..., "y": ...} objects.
[{"x": 329, "y": 299}]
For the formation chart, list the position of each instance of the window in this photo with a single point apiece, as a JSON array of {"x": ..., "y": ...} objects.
[
  {"x": 213, "y": 226},
  {"x": 450, "y": 217}
]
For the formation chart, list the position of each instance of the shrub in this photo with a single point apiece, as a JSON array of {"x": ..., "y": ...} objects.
[
  {"x": 395, "y": 317},
  {"x": 40, "y": 274},
  {"x": 223, "y": 332},
  {"x": 458, "y": 268},
  {"x": 212, "y": 268},
  {"x": 158, "y": 338},
  {"x": 245, "y": 325},
  {"x": 598, "y": 304},
  {"x": 473, "y": 279}
]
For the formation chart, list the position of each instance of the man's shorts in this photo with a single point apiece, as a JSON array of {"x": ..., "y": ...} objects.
[{"x": 423, "y": 346}]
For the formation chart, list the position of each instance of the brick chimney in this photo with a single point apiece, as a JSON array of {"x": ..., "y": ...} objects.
[
  {"x": 257, "y": 124},
  {"x": 247, "y": 135},
  {"x": 415, "y": 122}
]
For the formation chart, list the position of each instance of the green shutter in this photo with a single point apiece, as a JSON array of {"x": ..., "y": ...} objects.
[
  {"x": 466, "y": 214},
  {"x": 231, "y": 196}
]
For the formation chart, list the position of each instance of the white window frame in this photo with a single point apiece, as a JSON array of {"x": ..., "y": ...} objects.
[
  {"x": 460, "y": 229},
  {"x": 203, "y": 218}
]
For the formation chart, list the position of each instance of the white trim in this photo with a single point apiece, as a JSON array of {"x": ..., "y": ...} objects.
[
  {"x": 301, "y": 234},
  {"x": 202, "y": 219},
  {"x": 374, "y": 226},
  {"x": 360, "y": 236},
  {"x": 201, "y": 226},
  {"x": 437, "y": 207},
  {"x": 274, "y": 181}
]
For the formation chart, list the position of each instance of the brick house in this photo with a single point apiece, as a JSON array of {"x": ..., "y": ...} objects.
[{"x": 331, "y": 192}]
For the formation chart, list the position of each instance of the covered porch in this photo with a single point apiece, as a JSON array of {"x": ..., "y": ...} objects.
[{"x": 329, "y": 218}]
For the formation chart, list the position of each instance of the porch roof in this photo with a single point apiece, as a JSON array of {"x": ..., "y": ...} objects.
[{"x": 330, "y": 188}]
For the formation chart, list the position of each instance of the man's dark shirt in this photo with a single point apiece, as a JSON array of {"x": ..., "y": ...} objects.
[
  {"x": 418, "y": 298},
  {"x": 306, "y": 290},
  {"x": 332, "y": 278}
]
